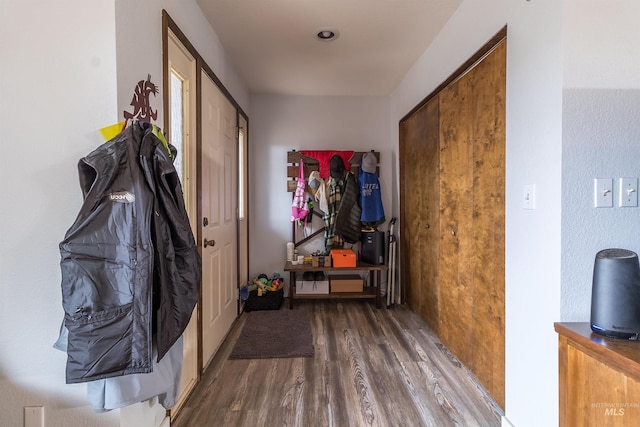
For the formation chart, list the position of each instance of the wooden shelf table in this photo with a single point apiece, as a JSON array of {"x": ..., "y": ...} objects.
[{"x": 372, "y": 291}]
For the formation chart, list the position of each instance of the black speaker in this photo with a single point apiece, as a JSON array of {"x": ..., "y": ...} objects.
[
  {"x": 615, "y": 294},
  {"x": 373, "y": 244}
]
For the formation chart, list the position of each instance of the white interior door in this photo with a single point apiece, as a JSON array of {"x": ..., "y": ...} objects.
[
  {"x": 182, "y": 135},
  {"x": 219, "y": 219}
]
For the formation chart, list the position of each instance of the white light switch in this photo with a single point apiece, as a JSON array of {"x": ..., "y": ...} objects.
[
  {"x": 628, "y": 192},
  {"x": 603, "y": 192}
]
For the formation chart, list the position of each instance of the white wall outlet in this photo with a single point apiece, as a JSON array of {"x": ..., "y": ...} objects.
[
  {"x": 34, "y": 416},
  {"x": 628, "y": 192},
  {"x": 529, "y": 196},
  {"x": 603, "y": 192}
]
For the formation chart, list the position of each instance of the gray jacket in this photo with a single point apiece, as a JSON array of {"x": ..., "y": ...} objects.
[{"x": 130, "y": 266}]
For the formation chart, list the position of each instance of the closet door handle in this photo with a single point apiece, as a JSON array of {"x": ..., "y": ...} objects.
[{"x": 209, "y": 242}]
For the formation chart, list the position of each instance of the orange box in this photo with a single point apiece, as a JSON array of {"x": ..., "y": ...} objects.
[{"x": 343, "y": 258}]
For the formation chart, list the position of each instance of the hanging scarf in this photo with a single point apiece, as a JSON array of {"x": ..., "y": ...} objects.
[{"x": 299, "y": 207}]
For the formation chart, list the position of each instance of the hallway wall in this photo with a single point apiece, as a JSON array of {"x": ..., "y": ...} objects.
[
  {"x": 283, "y": 123},
  {"x": 68, "y": 69},
  {"x": 600, "y": 134},
  {"x": 57, "y": 90}
]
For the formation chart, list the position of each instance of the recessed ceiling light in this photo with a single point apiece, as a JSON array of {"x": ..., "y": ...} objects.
[{"x": 327, "y": 34}]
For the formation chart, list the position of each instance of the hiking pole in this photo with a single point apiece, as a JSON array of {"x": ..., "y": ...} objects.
[{"x": 392, "y": 260}]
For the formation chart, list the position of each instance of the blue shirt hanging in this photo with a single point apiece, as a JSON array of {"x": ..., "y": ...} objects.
[{"x": 370, "y": 195}]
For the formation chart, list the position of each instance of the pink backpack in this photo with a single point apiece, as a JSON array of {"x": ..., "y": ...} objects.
[{"x": 299, "y": 207}]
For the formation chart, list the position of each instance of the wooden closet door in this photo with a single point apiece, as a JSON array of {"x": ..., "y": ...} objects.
[
  {"x": 456, "y": 217},
  {"x": 411, "y": 200},
  {"x": 419, "y": 152},
  {"x": 453, "y": 272},
  {"x": 488, "y": 262},
  {"x": 472, "y": 186}
]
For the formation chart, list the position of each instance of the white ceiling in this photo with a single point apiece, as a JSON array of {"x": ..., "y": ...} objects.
[{"x": 273, "y": 47}]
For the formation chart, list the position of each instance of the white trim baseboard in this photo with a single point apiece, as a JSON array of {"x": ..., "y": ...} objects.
[{"x": 506, "y": 422}]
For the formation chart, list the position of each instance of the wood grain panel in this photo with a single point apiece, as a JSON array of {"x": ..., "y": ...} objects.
[
  {"x": 411, "y": 202},
  {"x": 419, "y": 148},
  {"x": 429, "y": 228},
  {"x": 612, "y": 400},
  {"x": 456, "y": 225},
  {"x": 489, "y": 83},
  {"x": 563, "y": 395}
]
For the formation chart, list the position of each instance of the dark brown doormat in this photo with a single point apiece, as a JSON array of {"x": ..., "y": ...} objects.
[{"x": 274, "y": 334}]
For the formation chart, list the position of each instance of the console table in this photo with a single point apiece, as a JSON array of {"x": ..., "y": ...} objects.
[
  {"x": 599, "y": 383},
  {"x": 371, "y": 291}
]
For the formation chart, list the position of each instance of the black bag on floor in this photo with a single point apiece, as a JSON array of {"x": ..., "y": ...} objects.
[{"x": 270, "y": 300}]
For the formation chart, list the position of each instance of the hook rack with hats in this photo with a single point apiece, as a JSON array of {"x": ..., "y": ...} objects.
[
  {"x": 313, "y": 168},
  {"x": 318, "y": 163},
  {"x": 313, "y": 164}
]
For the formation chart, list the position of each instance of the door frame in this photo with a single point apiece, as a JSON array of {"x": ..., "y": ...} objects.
[
  {"x": 169, "y": 25},
  {"x": 184, "y": 65}
]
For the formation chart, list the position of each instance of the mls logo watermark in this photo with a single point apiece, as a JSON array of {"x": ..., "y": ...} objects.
[
  {"x": 614, "y": 411},
  {"x": 618, "y": 409}
]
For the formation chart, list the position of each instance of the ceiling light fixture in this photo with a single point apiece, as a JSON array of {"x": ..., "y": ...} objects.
[{"x": 327, "y": 34}]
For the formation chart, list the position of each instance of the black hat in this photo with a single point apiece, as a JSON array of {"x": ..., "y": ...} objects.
[{"x": 336, "y": 167}]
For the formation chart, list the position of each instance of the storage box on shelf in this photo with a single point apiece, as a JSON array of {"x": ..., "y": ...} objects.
[
  {"x": 343, "y": 258},
  {"x": 346, "y": 283},
  {"x": 316, "y": 284},
  {"x": 320, "y": 261}
]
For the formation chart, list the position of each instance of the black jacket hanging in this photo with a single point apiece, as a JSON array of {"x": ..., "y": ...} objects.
[
  {"x": 347, "y": 224},
  {"x": 130, "y": 265}
]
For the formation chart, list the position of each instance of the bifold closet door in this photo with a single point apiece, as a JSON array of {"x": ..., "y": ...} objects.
[
  {"x": 472, "y": 186},
  {"x": 488, "y": 246},
  {"x": 420, "y": 200},
  {"x": 456, "y": 221},
  {"x": 452, "y": 186}
]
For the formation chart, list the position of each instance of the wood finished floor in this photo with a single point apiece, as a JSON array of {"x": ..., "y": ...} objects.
[{"x": 372, "y": 367}]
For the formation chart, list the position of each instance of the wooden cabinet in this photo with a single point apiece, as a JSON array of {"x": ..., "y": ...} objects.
[
  {"x": 599, "y": 378},
  {"x": 452, "y": 168}
]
